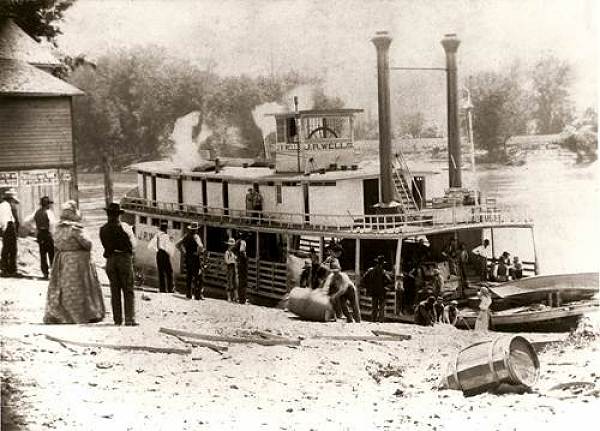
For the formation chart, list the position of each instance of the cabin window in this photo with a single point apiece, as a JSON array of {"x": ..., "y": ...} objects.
[
  {"x": 278, "y": 194},
  {"x": 156, "y": 222},
  {"x": 291, "y": 128},
  {"x": 177, "y": 225},
  {"x": 143, "y": 220},
  {"x": 280, "y": 130},
  {"x": 326, "y": 127}
]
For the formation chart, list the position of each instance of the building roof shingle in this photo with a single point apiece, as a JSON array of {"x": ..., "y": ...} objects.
[
  {"x": 18, "y": 78},
  {"x": 15, "y": 44}
]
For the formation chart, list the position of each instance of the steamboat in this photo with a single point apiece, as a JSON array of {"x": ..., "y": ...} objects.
[{"x": 315, "y": 192}]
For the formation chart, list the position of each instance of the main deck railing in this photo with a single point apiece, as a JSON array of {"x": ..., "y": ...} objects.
[{"x": 352, "y": 223}]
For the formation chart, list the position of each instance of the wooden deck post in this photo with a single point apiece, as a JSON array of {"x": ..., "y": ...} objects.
[
  {"x": 398, "y": 273},
  {"x": 536, "y": 263},
  {"x": 321, "y": 248},
  {"x": 257, "y": 251},
  {"x": 357, "y": 260}
]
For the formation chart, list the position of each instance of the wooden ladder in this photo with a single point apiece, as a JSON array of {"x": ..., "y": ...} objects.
[{"x": 400, "y": 171}]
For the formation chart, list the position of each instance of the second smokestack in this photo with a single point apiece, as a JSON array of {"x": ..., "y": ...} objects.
[
  {"x": 450, "y": 43},
  {"x": 382, "y": 42}
]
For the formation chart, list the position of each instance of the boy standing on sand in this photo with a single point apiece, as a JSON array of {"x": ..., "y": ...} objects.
[{"x": 230, "y": 263}]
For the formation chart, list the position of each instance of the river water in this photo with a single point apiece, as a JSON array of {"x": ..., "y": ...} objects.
[{"x": 560, "y": 196}]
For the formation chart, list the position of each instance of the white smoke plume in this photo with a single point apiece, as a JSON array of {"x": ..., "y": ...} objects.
[
  {"x": 263, "y": 120},
  {"x": 185, "y": 148},
  {"x": 266, "y": 123}
]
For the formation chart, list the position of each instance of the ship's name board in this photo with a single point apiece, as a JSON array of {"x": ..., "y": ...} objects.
[{"x": 316, "y": 146}]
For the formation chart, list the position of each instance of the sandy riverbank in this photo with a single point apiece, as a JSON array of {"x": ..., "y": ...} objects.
[{"x": 321, "y": 384}]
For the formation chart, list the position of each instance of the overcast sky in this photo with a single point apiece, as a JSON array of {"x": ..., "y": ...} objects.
[{"x": 332, "y": 38}]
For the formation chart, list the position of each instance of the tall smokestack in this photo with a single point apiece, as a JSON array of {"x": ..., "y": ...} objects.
[
  {"x": 382, "y": 42},
  {"x": 450, "y": 43}
]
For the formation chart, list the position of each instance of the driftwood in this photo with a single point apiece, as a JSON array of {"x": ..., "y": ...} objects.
[
  {"x": 213, "y": 347},
  {"x": 150, "y": 349},
  {"x": 391, "y": 334},
  {"x": 268, "y": 335},
  {"x": 357, "y": 338},
  {"x": 245, "y": 340}
]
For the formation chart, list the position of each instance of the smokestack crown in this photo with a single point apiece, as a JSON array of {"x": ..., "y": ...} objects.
[
  {"x": 382, "y": 39},
  {"x": 450, "y": 43}
]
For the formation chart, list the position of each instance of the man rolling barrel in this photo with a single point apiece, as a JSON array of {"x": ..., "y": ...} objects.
[{"x": 341, "y": 290}]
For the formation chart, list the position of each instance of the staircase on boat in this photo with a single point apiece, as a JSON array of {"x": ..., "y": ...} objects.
[{"x": 403, "y": 184}]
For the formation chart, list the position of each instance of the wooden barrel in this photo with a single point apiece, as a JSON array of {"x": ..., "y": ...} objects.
[
  {"x": 310, "y": 304},
  {"x": 483, "y": 366}
]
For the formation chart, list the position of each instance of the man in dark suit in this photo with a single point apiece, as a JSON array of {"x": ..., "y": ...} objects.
[
  {"x": 376, "y": 280},
  {"x": 119, "y": 242}
]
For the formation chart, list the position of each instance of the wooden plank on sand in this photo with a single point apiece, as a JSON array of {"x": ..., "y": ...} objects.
[
  {"x": 227, "y": 339},
  {"x": 391, "y": 334},
  {"x": 121, "y": 346},
  {"x": 357, "y": 338}
]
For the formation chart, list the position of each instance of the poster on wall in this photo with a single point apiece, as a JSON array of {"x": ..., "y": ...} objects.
[
  {"x": 9, "y": 179},
  {"x": 39, "y": 178}
]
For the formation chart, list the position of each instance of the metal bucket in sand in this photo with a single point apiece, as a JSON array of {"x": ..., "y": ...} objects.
[
  {"x": 310, "y": 304},
  {"x": 483, "y": 366}
]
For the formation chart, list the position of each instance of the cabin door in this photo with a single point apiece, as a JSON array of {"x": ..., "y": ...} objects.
[
  {"x": 306, "y": 202},
  {"x": 418, "y": 191},
  {"x": 370, "y": 194},
  {"x": 225, "y": 198}
]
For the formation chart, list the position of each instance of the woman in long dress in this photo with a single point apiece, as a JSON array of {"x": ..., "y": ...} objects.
[
  {"x": 74, "y": 293},
  {"x": 482, "y": 323}
]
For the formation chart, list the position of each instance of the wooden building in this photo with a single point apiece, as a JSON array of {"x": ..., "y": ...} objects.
[{"x": 37, "y": 156}]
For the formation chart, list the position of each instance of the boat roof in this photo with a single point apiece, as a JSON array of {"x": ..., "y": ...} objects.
[
  {"x": 318, "y": 113},
  {"x": 234, "y": 170}
]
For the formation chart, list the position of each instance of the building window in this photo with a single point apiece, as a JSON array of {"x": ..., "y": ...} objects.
[
  {"x": 177, "y": 225},
  {"x": 156, "y": 222},
  {"x": 280, "y": 130},
  {"x": 278, "y": 194},
  {"x": 143, "y": 220}
]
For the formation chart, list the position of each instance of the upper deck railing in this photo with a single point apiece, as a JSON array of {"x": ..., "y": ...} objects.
[{"x": 349, "y": 223}]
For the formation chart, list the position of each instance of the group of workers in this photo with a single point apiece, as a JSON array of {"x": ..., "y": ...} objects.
[
  {"x": 44, "y": 221},
  {"x": 194, "y": 256},
  {"x": 497, "y": 269},
  {"x": 328, "y": 276}
]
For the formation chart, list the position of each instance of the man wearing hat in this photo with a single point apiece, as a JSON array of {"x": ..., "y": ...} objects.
[
  {"x": 341, "y": 290},
  {"x": 45, "y": 221},
  {"x": 376, "y": 280},
  {"x": 164, "y": 248},
  {"x": 119, "y": 242},
  {"x": 190, "y": 245},
  {"x": 230, "y": 263},
  {"x": 9, "y": 227}
]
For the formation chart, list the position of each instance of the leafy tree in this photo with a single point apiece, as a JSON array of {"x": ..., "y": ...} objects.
[
  {"x": 38, "y": 18},
  {"x": 552, "y": 80},
  {"x": 500, "y": 108},
  {"x": 413, "y": 124},
  {"x": 132, "y": 101}
]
